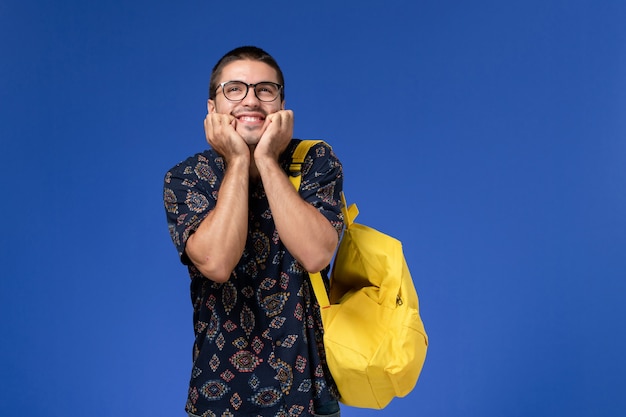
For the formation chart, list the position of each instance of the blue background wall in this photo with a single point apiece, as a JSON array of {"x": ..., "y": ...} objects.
[{"x": 488, "y": 136}]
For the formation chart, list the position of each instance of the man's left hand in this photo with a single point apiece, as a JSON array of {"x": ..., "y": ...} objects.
[{"x": 277, "y": 135}]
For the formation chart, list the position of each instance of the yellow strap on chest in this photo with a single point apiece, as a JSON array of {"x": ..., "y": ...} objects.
[
  {"x": 295, "y": 176},
  {"x": 297, "y": 159}
]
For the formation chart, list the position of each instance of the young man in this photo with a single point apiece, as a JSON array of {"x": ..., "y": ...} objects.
[{"x": 249, "y": 238}]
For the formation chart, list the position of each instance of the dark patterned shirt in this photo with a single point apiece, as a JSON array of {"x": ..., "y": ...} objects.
[{"x": 258, "y": 347}]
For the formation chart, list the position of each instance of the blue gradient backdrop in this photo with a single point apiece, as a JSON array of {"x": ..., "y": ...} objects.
[{"x": 488, "y": 136}]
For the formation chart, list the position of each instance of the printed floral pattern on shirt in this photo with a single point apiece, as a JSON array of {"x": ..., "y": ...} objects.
[{"x": 258, "y": 337}]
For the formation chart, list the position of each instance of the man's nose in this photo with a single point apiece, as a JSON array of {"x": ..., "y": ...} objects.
[{"x": 251, "y": 100}]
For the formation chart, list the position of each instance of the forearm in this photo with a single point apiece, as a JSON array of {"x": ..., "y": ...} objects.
[
  {"x": 305, "y": 232},
  {"x": 218, "y": 243}
]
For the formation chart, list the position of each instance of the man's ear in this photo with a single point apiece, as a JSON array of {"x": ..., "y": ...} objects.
[
  {"x": 210, "y": 106},
  {"x": 282, "y": 105}
]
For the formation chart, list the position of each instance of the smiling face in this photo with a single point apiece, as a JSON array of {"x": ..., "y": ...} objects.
[{"x": 250, "y": 112}]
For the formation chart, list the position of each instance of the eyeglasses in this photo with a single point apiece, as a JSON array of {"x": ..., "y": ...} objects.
[{"x": 238, "y": 90}]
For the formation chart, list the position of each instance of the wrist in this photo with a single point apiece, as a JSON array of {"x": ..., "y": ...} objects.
[
  {"x": 238, "y": 161},
  {"x": 266, "y": 163},
  {"x": 265, "y": 159}
]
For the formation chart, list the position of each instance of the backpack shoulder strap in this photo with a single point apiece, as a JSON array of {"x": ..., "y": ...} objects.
[
  {"x": 295, "y": 176},
  {"x": 297, "y": 159}
]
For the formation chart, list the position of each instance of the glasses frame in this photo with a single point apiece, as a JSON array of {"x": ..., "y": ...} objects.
[{"x": 280, "y": 89}]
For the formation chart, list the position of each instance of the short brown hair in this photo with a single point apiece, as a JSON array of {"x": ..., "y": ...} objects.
[{"x": 241, "y": 53}]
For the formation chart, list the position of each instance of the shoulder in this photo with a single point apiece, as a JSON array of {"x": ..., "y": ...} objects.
[
  {"x": 319, "y": 164},
  {"x": 316, "y": 148},
  {"x": 208, "y": 158}
]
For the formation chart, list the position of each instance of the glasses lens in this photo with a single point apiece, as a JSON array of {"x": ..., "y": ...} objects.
[
  {"x": 267, "y": 91},
  {"x": 235, "y": 90}
]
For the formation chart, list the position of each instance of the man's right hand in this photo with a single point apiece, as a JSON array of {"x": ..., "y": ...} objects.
[
  {"x": 221, "y": 135},
  {"x": 218, "y": 243}
]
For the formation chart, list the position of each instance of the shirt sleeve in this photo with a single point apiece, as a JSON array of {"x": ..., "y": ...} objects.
[
  {"x": 322, "y": 183},
  {"x": 189, "y": 195}
]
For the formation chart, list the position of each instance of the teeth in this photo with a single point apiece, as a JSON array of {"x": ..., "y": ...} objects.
[{"x": 249, "y": 119}]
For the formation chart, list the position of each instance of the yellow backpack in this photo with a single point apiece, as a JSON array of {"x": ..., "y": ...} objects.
[{"x": 374, "y": 338}]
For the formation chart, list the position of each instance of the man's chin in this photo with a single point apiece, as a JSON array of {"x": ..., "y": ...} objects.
[
  {"x": 250, "y": 137},
  {"x": 251, "y": 140}
]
